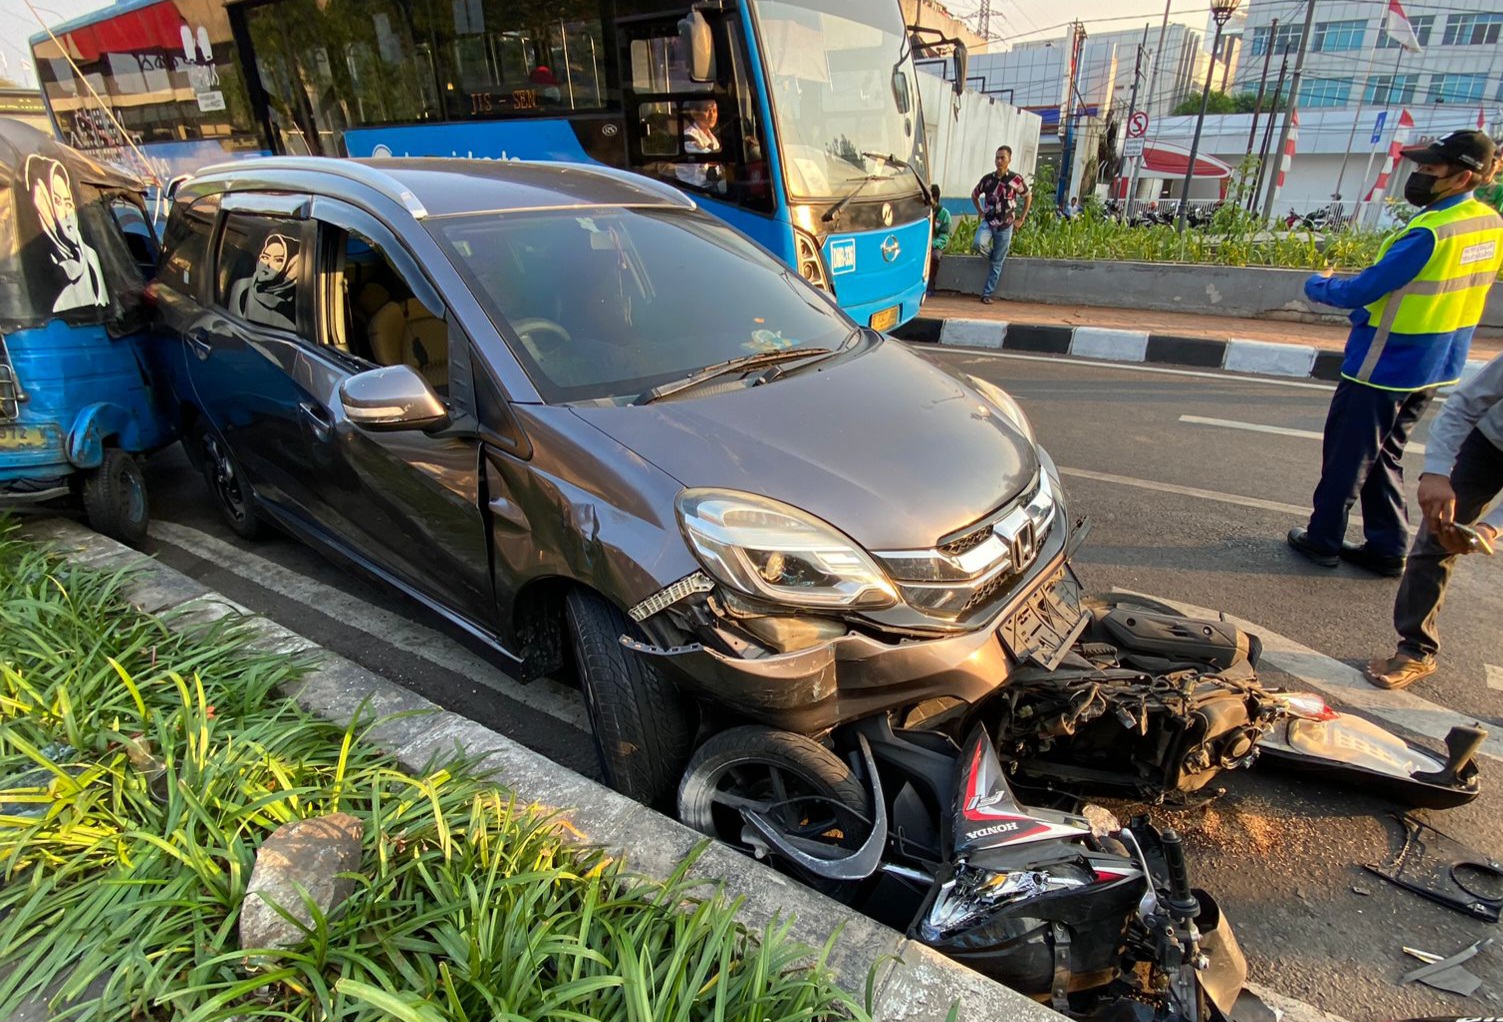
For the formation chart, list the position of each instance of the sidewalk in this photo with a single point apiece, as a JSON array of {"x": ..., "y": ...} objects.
[{"x": 1326, "y": 336}]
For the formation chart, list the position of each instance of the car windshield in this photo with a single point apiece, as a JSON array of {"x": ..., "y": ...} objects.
[
  {"x": 843, "y": 83},
  {"x": 603, "y": 305}
]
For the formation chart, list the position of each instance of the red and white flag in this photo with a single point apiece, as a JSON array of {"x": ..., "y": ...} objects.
[
  {"x": 1396, "y": 24},
  {"x": 1289, "y": 148},
  {"x": 1481, "y": 119},
  {"x": 1400, "y": 140}
]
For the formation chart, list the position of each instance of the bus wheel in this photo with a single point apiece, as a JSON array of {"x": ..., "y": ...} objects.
[{"x": 114, "y": 497}]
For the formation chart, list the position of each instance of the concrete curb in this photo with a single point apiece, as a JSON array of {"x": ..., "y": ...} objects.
[
  {"x": 1261, "y": 358},
  {"x": 910, "y": 982}
]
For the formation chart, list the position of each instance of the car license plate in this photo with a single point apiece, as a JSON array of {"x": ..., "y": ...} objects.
[
  {"x": 1048, "y": 622},
  {"x": 30, "y": 438},
  {"x": 886, "y": 319}
]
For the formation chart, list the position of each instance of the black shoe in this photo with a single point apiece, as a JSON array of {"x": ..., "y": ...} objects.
[
  {"x": 1299, "y": 539},
  {"x": 986, "y": 299},
  {"x": 1378, "y": 564}
]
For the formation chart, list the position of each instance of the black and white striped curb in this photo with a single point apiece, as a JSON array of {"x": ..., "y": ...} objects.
[{"x": 1109, "y": 344}]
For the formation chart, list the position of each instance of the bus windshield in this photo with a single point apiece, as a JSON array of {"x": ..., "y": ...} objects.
[{"x": 841, "y": 78}]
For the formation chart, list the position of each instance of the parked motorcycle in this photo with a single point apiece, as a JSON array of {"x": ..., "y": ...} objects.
[{"x": 913, "y": 818}]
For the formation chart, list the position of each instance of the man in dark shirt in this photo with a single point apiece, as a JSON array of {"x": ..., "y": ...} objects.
[{"x": 997, "y": 197}]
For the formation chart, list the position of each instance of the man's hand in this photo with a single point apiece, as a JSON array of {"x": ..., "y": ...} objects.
[
  {"x": 1437, "y": 501},
  {"x": 1327, "y": 272}
]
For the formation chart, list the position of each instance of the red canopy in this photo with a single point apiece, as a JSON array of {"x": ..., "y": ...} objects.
[
  {"x": 1165, "y": 159},
  {"x": 157, "y": 27}
]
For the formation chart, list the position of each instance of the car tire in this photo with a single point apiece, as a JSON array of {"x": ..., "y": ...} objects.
[
  {"x": 644, "y": 727},
  {"x": 114, "y": 498},
  {"x": 227, "y": 487}
]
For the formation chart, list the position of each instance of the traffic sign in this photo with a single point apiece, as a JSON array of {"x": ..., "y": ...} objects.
[
  {"x": 1378, "y": 126},
  {"x": 1137, "y": 124},
  {"x": 1132, "y": 147}
]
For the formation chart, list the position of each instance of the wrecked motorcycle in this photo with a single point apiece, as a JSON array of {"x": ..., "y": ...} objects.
[{"x": 910, "y": 816}]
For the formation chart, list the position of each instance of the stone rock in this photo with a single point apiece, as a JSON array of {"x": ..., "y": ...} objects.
[{"x": 305, "y": 853}]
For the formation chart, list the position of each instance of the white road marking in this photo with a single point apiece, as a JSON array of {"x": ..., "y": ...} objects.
[
  {"x": 1129, "y": 367},
  {"x": 1187, "y": 491},
  {"x": 1258, "y": 427},
  {"x": 544, "y": 695},
  {"x": 1494, "y": 677}
]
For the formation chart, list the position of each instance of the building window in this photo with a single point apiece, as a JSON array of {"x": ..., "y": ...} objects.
[
  {"x": 1334, "y": 36},
  {"x": 1457, "y": 88},
  {"x": 1421, "y": 25},
  {"x": 1386, "y": 90},
  {"x": 1287, "y": 41},
  {"x": 1473, "y": 29},
  {"x": 1314, "y": 92}
]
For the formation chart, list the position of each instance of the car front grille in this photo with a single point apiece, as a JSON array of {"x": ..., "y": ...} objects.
[{"x": 970, "y": 570}]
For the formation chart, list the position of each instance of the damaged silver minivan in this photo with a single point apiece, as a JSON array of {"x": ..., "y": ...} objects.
[{"x": 588, "y": 422}]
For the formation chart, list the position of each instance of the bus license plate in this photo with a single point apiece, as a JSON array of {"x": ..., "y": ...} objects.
[
  {"x": 1048, "y": 622},
  {"x": 886, "y": 319},
  {"x": 30, "y": 438}
]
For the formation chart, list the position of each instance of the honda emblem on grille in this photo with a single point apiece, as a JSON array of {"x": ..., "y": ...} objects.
[{"x": 1023, "y": 546}]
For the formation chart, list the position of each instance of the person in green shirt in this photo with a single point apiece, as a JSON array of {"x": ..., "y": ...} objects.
[
  {"x": 1492, "y": 192},
  {"x": 941, "y": 238}
]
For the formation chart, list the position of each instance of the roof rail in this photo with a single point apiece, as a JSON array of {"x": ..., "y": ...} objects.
[{"x": 361, "y": 173}]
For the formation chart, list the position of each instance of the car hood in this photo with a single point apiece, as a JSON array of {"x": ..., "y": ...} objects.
[{"x": 887, "y": 447}]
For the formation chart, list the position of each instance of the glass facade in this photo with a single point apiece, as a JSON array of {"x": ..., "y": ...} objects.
[
  {"x": 1325, "y": 92},
  {"x": 1336, "y": 36}
]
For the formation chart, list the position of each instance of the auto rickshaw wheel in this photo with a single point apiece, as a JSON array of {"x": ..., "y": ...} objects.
[
  {"x": 228, "y": 487},
  {"x": 114, "y": 497}
]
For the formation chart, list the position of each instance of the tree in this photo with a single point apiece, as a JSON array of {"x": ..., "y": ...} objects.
[
  {"x": 1220, "y": 103},
  {"x": 1247, "y": 102}
]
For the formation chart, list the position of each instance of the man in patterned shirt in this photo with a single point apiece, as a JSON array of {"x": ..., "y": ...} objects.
[{"x": 997, "y": 197}]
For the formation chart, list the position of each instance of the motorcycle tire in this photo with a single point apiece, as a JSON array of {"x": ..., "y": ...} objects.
[
  {"x": 114, "y": 497},
  {"x": 761, "y": 762},
  {"x": 228, "y": 489},
  {"x": 643, "y": 726}
]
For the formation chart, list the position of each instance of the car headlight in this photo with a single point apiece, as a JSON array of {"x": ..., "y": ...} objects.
[
  {"x": 1007, "y": 405},
  {"x": 774, "y": 551}
]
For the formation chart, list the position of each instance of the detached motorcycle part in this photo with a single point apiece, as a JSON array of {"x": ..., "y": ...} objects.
[
  {"x": 761, "y": 789},
  {"x": 1175, "y": 638},
  {"x": 1359, "y": 752},
  {"x": 1442, "y": 869}
]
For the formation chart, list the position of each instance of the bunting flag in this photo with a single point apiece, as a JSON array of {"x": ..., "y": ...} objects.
[
  {"x": 1396, "y": 24},
  {"x": 1481, "y": 119},
  {"x": 1289, "y": 148},
  {"x": 1400, "y": 139}
]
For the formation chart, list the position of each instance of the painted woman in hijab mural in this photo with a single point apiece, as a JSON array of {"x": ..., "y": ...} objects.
[
  {"x": 57, "y": 214},
  {"x": 268, "y": 295}
]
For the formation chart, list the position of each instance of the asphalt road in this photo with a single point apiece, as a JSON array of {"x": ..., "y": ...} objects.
[{"x": 1184, "y": 509}]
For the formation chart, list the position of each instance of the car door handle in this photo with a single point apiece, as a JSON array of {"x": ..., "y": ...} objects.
[
  {"x": 198, "y": 340},
  {"x": 318, "y": 420}
]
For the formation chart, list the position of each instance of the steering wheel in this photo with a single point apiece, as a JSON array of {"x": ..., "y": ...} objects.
[{"x": 533, "y": 329}]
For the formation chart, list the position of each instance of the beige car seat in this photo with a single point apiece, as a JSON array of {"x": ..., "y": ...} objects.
[{"x": 407, "y": 333}]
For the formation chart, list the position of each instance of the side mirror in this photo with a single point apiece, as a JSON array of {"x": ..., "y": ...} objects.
[
  {"x": 699, "y": 46},
  {"x": 391, "y": 398},
  {"x": 962, "y": 65},
  {"x": 900, "y": 91}
]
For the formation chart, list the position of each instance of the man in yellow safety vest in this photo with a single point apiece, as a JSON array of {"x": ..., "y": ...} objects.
[{"x": 1414, "y": 313}]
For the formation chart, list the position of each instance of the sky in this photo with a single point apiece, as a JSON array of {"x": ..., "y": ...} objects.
[{"x": 1010, "y": 18}]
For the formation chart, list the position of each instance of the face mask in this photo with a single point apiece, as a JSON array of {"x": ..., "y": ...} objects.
[{"x": 1420, "y": 190}]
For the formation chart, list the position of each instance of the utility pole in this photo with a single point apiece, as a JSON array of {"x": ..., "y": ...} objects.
[
  {"x": 1067, "y": 150},
  {"x": 984, "y": 19},
  {"x": 1153, "y": 78},
  {"x": 1132, "y": 103},
  {"x": 1221, "y": 11},
  {"x": 1299, "y": 65},
  {"x": 1278, "y": 91},
  {"x": 1356, "y": 117},
  {"x": 1252, "y": 133}
]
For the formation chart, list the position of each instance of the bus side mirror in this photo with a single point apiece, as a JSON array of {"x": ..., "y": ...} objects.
[
  {"x": 900, "y": 91},
  {"x": 699, "y": 46},
  {"x": 962, "y": 64}
]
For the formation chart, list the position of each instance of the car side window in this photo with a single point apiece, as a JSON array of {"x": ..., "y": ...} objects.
[
  {"x": 186, "y": 244},
  {"x": 259, "y": 269},
  {"x": 377, "y": 316}
]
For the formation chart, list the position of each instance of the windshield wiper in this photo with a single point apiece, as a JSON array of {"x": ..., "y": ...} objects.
[
  {"x": 740, "y": 364},
  {"x": 835, "y": 210},
  {"x": 903, "y": 165}
]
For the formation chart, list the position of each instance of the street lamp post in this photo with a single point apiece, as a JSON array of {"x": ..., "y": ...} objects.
[{"x": 1222, "y": 11}]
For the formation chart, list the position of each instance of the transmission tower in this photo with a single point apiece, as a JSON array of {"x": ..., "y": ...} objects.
[{"x": 984, "y": 19}]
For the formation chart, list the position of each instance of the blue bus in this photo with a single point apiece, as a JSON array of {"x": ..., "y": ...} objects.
[{"x": 796, "y": 121}]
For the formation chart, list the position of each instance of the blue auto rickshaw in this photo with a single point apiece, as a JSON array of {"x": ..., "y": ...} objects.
[{"x": 77, "y": 410}]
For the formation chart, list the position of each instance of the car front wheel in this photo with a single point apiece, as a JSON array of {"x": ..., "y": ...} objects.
[{"x": 644, "y": 728}]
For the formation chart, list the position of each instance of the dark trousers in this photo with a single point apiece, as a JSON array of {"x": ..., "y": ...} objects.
[
  {"x": 1366, "y": 430},
  {"x": 1477, "y": 479}
]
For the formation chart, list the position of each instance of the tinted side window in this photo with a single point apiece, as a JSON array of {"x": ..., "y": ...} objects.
[
  {"x": 186, "y": 243},
  {"x": 383, "y": 321},
  {"x": 260, "y": 265}
]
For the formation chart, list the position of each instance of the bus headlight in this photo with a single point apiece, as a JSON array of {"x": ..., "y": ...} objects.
[{"x": 811, "y": 266}]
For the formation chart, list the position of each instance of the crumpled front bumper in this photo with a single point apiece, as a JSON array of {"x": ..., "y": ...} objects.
[{"x": 857, "y": 675}]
